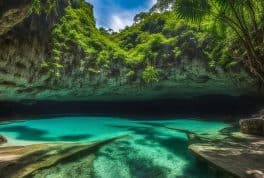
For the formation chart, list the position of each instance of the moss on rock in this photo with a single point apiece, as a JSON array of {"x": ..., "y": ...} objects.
[{"x": 63, "y": 56}]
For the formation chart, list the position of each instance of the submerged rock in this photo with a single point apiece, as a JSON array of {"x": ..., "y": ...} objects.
[
  {"x": 28, "y": 161},
  {"x": 2, "y": 139},
  {"x": 254, "y": 126}
]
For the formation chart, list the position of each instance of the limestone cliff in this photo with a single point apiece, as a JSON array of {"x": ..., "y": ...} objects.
[{"x": 28, "y": 70}]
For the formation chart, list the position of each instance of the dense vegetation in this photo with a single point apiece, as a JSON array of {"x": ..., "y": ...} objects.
[
  {"x": 169, "y": 33},
  {"x": 242, "y": 20}
]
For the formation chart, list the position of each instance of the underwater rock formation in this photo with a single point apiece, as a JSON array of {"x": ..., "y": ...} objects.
[
  {"x": 36, "y": 64},
  {"x": 28, "y": 161}
]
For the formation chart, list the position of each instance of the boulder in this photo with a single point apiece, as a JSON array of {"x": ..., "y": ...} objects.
[
  {"x": 254, "y": 126},
  {"x": 2, "y": 139}
]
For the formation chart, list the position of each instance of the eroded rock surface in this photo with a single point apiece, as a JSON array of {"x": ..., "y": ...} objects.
[
  {"x": 230, "y": 153},
  {"x": 25, "y": 40},
  {"x": 253, "y": 126},
  {"x": 236, "y": 154},
  {"x": 13, "y": 15}
]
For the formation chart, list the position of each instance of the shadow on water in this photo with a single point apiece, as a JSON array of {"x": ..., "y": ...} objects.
[
  {"x": 175, "y": 144},
  {"x": 142, "y": 168},
  {"x": 205, "y": 106},
  {"x": 33, "y": 134},
  {"x": 26, "y": 133}
]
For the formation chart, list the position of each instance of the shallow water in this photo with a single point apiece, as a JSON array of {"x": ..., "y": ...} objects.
[{"x": 149, "y": 151}]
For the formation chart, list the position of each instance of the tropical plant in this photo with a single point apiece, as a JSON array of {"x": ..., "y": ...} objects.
[
  {"x": 243, "y": 17},
  {"x": 150, "y": 74},
  {"x": 36, "y": 7}
]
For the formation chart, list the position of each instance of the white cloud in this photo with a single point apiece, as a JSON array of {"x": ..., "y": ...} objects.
[
  {"x": 120, "y": 21},
  {"x": 110, "y": 15},
  {"x": 152, "y": 2},
  {"x": 124, "y": 17}
]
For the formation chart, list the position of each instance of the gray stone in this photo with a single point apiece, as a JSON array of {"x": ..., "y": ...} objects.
[
  {"x": 254, "y": 126},
  {"x": 236, "y": 156}
]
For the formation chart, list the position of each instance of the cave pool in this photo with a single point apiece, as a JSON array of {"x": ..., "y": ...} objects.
[{"x": 150, "y": 150}]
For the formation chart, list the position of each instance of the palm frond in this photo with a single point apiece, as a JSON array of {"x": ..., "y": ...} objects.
[{"x": 193, "y": 10}]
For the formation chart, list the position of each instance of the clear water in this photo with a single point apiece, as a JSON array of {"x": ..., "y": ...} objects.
[{"x": 150, "y": 151}]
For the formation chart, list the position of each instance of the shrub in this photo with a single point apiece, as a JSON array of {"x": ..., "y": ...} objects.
[{"x": 150, "y": 75}]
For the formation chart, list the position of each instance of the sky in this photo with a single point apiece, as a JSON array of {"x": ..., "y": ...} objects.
[{"x": 116, "y": 14}]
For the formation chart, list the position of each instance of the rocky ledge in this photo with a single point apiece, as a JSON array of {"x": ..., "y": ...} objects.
[
  {"x": 231, "y": 153},
  {"x": 254, "y": 125}
]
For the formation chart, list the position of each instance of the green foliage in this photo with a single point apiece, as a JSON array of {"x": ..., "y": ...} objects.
[
  {"x": 36, "y": 7},
  {"x": 163, "y": 39},
  {"x": 153, "y": 24},
  {"x": 192, "y": 9},
  {"x": 76, "y": 33},
  {"x": 150, "y": 75},
  {"x": 131, "y": 76},
  {"x": 152, "y": 49},
  {"x": 243, "y": 19},
  {"x": 160, "y": 39},
  {"x": 140, "y": 17},
  {"x": 155, "y": 40}
]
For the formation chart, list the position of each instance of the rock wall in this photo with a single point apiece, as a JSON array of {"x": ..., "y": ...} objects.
[{"x": 25, "y": 44}]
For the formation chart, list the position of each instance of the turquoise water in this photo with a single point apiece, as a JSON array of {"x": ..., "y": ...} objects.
[{"x": 149, "y": 151}]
